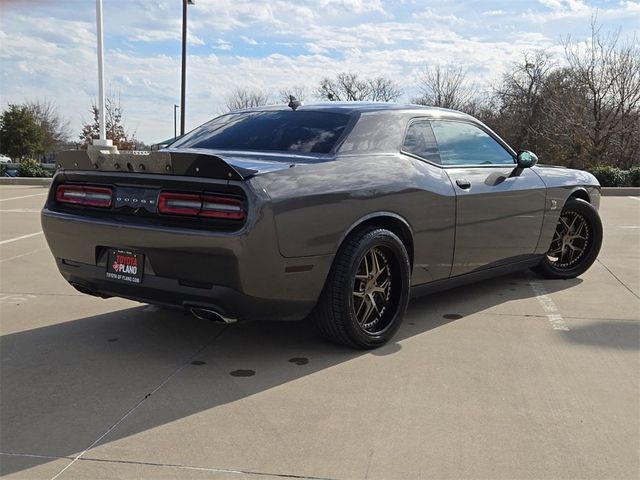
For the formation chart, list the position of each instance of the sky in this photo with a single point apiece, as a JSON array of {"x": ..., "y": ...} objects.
[{"x": 48, "y": 48}]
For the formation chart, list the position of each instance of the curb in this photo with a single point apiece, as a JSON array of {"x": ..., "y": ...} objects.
[
  {"x": 41, "y": 182},
  {"x": 620, "y": 191}
]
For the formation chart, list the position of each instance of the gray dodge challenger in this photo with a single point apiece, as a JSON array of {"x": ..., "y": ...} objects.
[{"x": 337, "y": 212}]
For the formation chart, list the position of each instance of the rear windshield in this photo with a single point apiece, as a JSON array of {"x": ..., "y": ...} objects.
[{"x": 271, "y": 131}]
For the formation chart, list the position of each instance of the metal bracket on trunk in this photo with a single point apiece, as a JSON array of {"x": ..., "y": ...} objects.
[{"x": 192, "y": 164}]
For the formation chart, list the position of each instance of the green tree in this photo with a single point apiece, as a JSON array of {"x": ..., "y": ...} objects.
[{"x": 20, "y": 135}]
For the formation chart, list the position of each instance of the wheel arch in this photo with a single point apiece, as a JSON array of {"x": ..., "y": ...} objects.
[
  {"x": 388, "y": 220},
  {"x": 580, "y": 193}
]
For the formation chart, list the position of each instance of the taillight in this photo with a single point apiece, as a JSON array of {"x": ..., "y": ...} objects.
[
  {"x": 209, "y": 206},
  {"x": 179, "y": 203},
  {"x": 221, "y": 207},
  {"x": 84, "y": 195}
]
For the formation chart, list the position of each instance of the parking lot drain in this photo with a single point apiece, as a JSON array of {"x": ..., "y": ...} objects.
[
  {"x": 111, "y": 340},
  {"x": 198, "y": 362},
  {"x": 242, "y": 373},
  {"x": 452, "y": 316},
  {"x": 299, "y": 360}
]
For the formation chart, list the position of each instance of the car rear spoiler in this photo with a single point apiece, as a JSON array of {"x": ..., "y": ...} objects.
[{"x": 192, "y": 164}]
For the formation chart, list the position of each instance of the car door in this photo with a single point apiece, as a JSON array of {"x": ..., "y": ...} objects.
[
  {"x": 432, "y": 205},
  {"x": 499, "y": 209}
]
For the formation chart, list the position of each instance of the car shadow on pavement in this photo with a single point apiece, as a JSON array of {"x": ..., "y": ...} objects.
[
  {"x": 64, "y": 385},
  {"x": 624, "y": 335}
]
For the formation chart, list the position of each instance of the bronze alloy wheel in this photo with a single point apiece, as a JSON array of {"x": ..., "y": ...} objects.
[
  {"x": 367, "y": 290},
  {"x": 372, "y": 290},
  {"x": 576, "y": 241},
  {"x": 570, "y": 241}
]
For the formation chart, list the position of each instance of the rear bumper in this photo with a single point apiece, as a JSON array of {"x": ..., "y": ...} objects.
[
  {"x": 241, "y": 275},
  {"x": 174, "y": 293}
]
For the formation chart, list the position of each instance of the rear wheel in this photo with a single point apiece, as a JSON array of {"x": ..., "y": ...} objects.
[
  {"x": 576, "y": 241},
  {"x": 367, "y": 292}
]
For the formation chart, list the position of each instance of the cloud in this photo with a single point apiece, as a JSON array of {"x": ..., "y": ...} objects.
[
  {"x": 355, "y": 6},
  {"x": 494, "y": 13},
  {"x": 49, "y": 51},
  {"x": 221, "y": 44},
  {"x": 248, "y": 40},
  {"x": 162, "y": 36},
  {"x": 432, "y": 15}
]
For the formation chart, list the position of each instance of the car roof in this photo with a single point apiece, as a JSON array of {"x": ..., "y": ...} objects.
[{"x": 363, "y": 107}]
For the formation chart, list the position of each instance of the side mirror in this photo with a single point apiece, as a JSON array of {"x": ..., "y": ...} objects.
[{"x": 526, "y": 159}]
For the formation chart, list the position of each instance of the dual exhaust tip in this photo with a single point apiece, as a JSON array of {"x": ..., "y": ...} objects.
[{"x": 202, "y": 313}]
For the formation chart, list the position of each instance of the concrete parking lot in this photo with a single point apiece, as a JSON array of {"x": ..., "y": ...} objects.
[{"x": 515, "y": 377}]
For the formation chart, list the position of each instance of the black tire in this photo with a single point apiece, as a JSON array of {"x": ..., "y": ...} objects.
[
  {"x": 335, "y": 314},
  {"x": 574, "y": 261}
]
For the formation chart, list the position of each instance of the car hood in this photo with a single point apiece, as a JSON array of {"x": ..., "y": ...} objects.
[{"x": 554, "y": 175}]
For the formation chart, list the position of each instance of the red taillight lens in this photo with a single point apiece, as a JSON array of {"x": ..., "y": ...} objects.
[
  {"x": 84, "y": 195},
  {"x": 179, "y": 203},
  {"x": 222, "y": 207},
  {"x": 201, "y": 205}
]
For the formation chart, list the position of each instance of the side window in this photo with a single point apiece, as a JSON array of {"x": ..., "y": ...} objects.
[
  {"x": 465, "y": 144},
  {"x": 420, "y": 141}
]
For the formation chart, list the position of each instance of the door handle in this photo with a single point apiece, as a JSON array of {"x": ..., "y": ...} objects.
[{"x": 463, "y": 183}]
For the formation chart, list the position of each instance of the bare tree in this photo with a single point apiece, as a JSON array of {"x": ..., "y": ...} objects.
[
  {"x": 520, "y": 97},
  {"x": 245, "y": 98},
  {"x": 444, "y": 87},
  {"x": 384, "y": 90},
  {"x": 609, "y": 71},
  {"x": 55, "y": 128},
  {"x": 346, "y": 87},
  {"x": 300, "y": 92},
  {"x": 349, "y": 87}
]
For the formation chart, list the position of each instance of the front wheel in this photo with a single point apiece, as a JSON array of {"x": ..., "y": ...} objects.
[
  {"x": 576, "y": 241},
  {"x": 367, "y": 291}
]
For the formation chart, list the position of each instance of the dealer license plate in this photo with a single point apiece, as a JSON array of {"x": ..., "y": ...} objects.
[{"x": 125, "y": 266}]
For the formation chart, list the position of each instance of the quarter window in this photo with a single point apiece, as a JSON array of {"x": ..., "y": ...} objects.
[
  {"x": 465, "y": 144},
  {"x": 421, "y": 142}
]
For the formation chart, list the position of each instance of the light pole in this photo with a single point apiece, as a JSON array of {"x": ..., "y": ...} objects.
[
  {"x": 184, "y": 61},
  {"x": 102, "y": 143},
  {"x": 175, "y": 121},
  {"x": 102, "y": 140}
]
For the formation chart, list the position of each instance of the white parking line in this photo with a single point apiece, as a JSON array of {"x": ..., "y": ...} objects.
[
  {"x": 22, "y": 255},
  {"x": 21, "y": 210},
  {"x": 10, "y": 240},
  {"x": 549, "y": 306},
  {"x": 24, "y": 196},
  {"x": 16, "y": 299}
]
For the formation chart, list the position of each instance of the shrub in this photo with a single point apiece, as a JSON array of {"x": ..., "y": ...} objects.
[
  {"x": 31, "y": 168},
  {"x": 609, "y": 176},
  {"x": 633, "y": 179}
]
